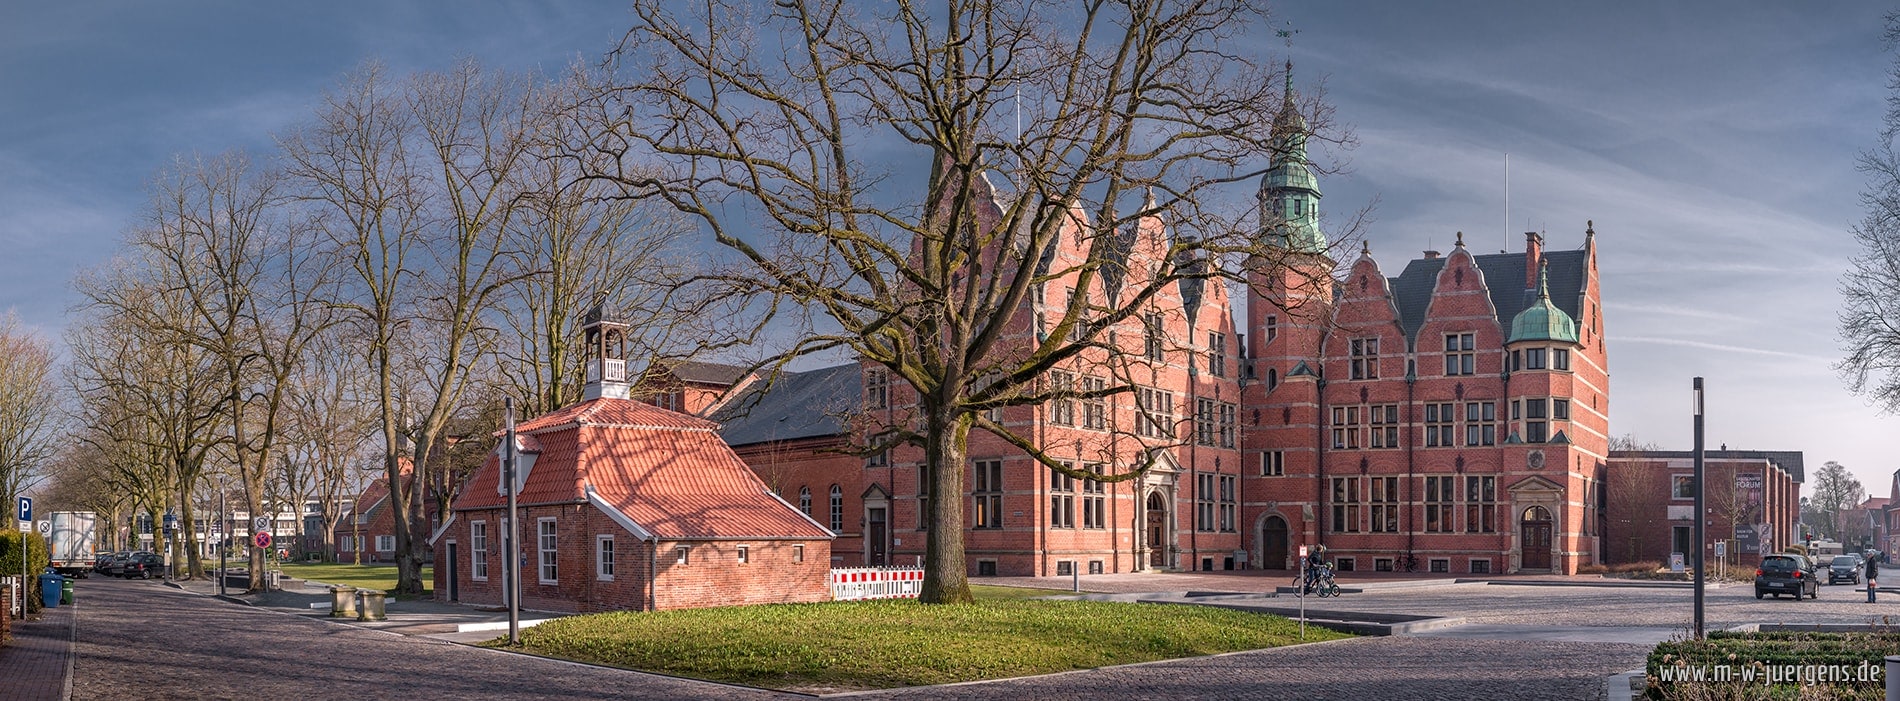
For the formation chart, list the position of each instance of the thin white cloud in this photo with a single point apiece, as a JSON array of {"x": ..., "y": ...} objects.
[{"x": 1729, "y": 348}]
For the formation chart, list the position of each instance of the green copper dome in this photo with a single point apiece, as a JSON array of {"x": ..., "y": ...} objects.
[
  {"x": 1289, "y": 194},
  {"x": 1543, "y": 321}
]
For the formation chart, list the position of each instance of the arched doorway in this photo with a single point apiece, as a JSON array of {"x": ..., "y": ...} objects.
[
  {"x": 1273, "y": 544},
  {"x": 1534, "y": 540},
  {"x": 1157, "y": 531}
]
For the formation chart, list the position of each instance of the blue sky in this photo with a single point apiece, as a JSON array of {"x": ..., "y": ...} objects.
[{"x": 1712, "y": 144}]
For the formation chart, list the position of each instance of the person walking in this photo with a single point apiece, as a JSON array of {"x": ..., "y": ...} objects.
[{"x": 1873, "y": 570}]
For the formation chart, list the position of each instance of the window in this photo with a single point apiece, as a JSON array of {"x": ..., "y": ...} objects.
[
  {"x": 1076, "y": 330},
  {"x": 837, "y": 509},
  {"x": 1273, "y": 463},
  {"x": 1459, "y": 356},
  {"x": 1095, "y": 566},
  {"x": 1439, "y": 565},
  {"x": 1560, "y": 409},
  {"x": 798, "y": 551},
  {"x": 877, "y": 393},
  {"x": 682, "y": 555},
  {"x": 1345, "y": 564},
  {"x": 1682, "y": 540},
  {"x": 604, "y": 559},
  {"x": 804, "y": 500},
  {"x": 1481, "y": 567},
  {"x": 1439, "y": 492},
  {"x": 1385, "y": 425},
  {"x": 1273, "y": 327},
  {"x": 1481, "y": 504},
  {"x": 1346, "y": 427},
  {"x": 1095, "y": 408},
  {"x": 1204, "y": 502},
  {"x": 1481, "y": 423},
  {"x": 880, "y": 458},
  {"x": 1385, "y": 504},
  {"x": 1061, "y": 499},
  {"x": 985, "y": 568},
  {"x": 1439, "y": 432},
  {"x": 1365, "y": 358},
  {"x": 1346, "y": 504},
  {"x": 923, "y": 497},
  {"x": 988, "y": 494},
  {"x": 744, "y": 554},
  {"x": 1559, "y": 359},
  {"x": 1229, "y": 502},
  {"x": 1204, "y": 421},
  {"x": 1094, "y": 504},
  {"x": 1533, "y": 359},
  {"x": 1682, "y": 487},
  {"x": 1062, "y": 409},
  {"x": 478, "y": 550},
  {"x": 1217, "y": 354},
  {"x": 549, "y": 547},
  {"x": 1155, "y": 413},
  {"x": 385, "y": 543},
  {"x": 1229, "y": 420},
  {"x": 1151, "y": 337},
  {"x": 1382, "y": 564},
  {"x": 671, "y": 399},
  {"x": 1536, "y": 430},
  {"x": 1065, "y": 568}
]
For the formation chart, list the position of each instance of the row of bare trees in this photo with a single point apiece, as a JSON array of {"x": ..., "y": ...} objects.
[{"x": 362, "y": 296}]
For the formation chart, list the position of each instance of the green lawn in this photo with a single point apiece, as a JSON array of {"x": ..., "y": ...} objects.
[
  {"x": 360, "y": 576},
  {"x": 988, "y": 592},
  {"x": 884, "y": 644}
]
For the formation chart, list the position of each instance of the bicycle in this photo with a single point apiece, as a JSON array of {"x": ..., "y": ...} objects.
[
  {"x": 1318, "y": 580},
  {"x": 1407, "y": 562}
]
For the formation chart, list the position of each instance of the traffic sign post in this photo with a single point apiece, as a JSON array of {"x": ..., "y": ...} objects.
[
  {"x": 261, "y": 540},
  {"x": 26, "y": 508},
  {"x": 260, "y": 523},
  {"x": 26, "y": 515}
]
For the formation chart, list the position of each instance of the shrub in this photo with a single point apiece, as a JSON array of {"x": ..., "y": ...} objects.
[{"x": 1757, "y": 653}]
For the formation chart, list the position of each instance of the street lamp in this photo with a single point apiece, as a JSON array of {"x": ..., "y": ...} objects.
[
  {"x": 512, "y": 573},
  {"x": 1700, "y": 517},
  {"x": 223, "y": 535}
]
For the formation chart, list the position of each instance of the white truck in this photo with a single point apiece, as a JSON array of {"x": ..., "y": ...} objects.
[{"x": 71, "y": 544}]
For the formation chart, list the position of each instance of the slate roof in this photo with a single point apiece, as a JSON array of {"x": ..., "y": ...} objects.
[
  {"x": 707, "y": 373},
  {"x": 1503, "y": 275},
  {"x": 1787, "y": 460},
  {"x": 668, "y": 472},
  {"x": 795, "y": 405}
]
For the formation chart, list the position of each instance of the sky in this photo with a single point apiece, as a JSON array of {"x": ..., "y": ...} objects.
[{"x": 1712, "y": 144}]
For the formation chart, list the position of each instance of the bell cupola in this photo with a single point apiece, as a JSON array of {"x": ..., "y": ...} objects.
[{"x": 606, "y": 348}]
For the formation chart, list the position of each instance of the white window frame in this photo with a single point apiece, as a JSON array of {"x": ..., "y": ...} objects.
[
  {"x": 604, "y": 558},
  {"x": 547, "y": 559},
  {"x": 382, "y": 539},
  {"x": 478, "y": 551},
  {"x": 744, "y": 554}
]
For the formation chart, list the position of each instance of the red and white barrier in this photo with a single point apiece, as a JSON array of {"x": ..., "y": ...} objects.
[{"x": 860, "y": 583}]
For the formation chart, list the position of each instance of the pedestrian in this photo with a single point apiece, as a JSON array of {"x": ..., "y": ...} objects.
[{"x": 1873, "y": 570}]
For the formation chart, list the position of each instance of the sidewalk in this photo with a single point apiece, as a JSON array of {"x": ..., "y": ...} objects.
[
  {"x": 423, "y": 617},
  {"x": 37, "y": 663}
]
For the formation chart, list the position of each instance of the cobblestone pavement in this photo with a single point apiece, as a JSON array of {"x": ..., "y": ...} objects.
[
  {"x": 33, "y": 663},
  {"x": 145, "y": 640}
]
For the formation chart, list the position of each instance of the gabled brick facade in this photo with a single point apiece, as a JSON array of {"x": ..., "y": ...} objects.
[{"x": 1752, "y": 498}]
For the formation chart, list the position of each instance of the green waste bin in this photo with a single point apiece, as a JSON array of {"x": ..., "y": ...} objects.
[{"x": 66, "y": 591}]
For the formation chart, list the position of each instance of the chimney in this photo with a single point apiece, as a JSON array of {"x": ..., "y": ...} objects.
[
  {"x": 1533, "y": 258},
  {"x": 1431, "y": 255}
]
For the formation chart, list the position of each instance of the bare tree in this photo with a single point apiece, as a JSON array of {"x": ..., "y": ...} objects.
[
  {"x": 1870, "y": 289},
  {"x": 332, "y": 421},
  {"x": 1835, "y": 491},
  {"x": 27, "y": 407},
  {"x": 1058, "y": 137}
]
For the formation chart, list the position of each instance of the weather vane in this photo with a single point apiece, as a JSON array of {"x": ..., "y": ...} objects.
[{"x": 1287, "y": 34}]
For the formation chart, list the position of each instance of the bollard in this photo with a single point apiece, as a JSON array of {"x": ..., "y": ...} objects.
[
  {"x": 1892, "y": 677},
  {"x": 372, "y": 608},
  {"x": 343, "y": 601}
]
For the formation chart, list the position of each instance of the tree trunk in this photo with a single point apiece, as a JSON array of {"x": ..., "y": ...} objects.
[{"x": 946, "y": 578}]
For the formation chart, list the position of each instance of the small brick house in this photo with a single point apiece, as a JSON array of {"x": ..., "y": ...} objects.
[
  {"x": 627, "y": 506},
  {"x": 1752, "y": 499},
  {"x": 367, "y": 532}
]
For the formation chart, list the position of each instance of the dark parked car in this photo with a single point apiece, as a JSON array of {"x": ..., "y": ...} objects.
[
  {"x": 1786, "y": 574},
  {"x": 144, "y": 566},
  {"x": 1845, "y": 568},
  {"x": 114, "y": 564}
]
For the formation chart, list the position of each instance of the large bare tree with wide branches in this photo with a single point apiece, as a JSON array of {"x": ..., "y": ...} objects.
[{"x": 907, "y": 173}]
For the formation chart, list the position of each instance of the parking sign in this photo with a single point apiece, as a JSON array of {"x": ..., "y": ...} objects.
[{"x": 26, "y": 508}]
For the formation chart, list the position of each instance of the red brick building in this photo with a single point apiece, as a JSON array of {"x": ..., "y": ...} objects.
[
  {"x": 1753, "y": 502},
  {"x": 624, "y": 505},
  {"x": 367, "y": 532}
]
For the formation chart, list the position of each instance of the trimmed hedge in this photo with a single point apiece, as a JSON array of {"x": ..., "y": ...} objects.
[{"x": 1761, "y": 653}]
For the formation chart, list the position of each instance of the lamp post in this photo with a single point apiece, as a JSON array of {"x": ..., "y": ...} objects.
[
  {"x": 224, "y": 535},
  {"x": 1700, "y": 517},
  {"x": 512, "y": 571}
]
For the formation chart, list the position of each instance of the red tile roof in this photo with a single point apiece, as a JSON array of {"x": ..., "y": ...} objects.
[{"x": 668, "y": 472}]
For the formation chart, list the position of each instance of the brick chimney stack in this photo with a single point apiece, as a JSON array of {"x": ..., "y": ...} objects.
[{"x": 1533, "y": 258}]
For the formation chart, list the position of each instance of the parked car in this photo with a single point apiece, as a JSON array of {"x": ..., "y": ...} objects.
[
  {"x": 114, "y": 564},
  {"x": 1786, "y": 573},
  {"x": 144, "y": 565},
  {"x": 1845, "y": 568}
]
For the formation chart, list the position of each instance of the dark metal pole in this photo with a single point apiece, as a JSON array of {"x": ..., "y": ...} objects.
[
  {"x": 1700, "y": 517},
  {"x": 223, "y": 536},
  {"x": 512, "y": 580}
]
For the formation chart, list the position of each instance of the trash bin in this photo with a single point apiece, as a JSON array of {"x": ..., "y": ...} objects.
[
  {"x": 66, "y": 591},
  {"x": 343, "y": 601},
  {"x": 50, "y": 585},
  {"x": 372, "y": 609}
]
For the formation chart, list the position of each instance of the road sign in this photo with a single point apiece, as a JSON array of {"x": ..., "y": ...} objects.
[
  {"x": 261, "y": 523},
  {"x": 261, "y": 539},
  {"x": 44, "y": 527},
  {"x": 1721, "y": 548},
  {"x": 26, "y": 508},
  {"x": 1302, "y": 552}
]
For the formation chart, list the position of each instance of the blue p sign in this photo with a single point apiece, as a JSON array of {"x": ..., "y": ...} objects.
[{"x": 26, "y": 508}]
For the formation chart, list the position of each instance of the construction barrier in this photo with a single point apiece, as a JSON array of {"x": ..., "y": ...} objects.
[{"x": 860, "y": 583}]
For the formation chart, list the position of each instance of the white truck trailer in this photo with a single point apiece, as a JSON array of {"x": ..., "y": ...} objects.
[{"x": 71, "y": 545}]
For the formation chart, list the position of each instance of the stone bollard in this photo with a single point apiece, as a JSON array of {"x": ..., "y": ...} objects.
[
  {"x": 343, "y": 601},
  {"x": 372, "y": 608},
  {"x": 1891, "y": 676}
]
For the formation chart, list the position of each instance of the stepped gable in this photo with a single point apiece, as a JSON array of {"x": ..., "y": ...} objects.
[{"x": 1412, "y": 289}]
